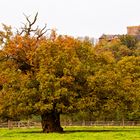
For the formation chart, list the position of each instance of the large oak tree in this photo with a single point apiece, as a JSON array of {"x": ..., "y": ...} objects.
[{"x": 41, "y": 75}]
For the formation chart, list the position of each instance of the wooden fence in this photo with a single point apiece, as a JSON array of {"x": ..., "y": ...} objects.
[
  {"x": 34, "y": 124},
  {"x": 101, "y": 123},
  {"x": 19, "y": 124}
]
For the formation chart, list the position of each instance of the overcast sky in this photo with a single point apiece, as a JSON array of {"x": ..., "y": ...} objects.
[{"x": 75, "y": 17}]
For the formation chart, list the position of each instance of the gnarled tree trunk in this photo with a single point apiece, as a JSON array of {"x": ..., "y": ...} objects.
[{"x": 51, "y": 122}]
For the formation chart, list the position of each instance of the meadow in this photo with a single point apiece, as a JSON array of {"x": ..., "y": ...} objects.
[{"x": 73, "y": 133}]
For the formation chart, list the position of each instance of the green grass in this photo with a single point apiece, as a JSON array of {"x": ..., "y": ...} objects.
[{"x": 74, "y": 133}]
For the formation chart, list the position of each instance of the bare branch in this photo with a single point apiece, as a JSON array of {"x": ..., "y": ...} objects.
[
  {"x": 44, "y": 28},
  {"x": 27, "y": 17},
  {"x": 41, "y": 32},
  {"x": 28, "y": 29},
  {"x": 34, "y": 19}
]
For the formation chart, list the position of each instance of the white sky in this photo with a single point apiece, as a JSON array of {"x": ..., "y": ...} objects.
[{"x": 75, "y": 17}]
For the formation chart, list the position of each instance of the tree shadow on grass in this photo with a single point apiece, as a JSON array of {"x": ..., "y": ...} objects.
[
  {"x": 30, "y": 132},
  {"x": 96, "y": 131},
  {"x": 82, "y": 131}
]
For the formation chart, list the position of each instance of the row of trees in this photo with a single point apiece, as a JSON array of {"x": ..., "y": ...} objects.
[{"x": 55, "y": 74}]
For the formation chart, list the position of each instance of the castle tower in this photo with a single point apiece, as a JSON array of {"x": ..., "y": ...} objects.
[{"x": 133, "y": 30}]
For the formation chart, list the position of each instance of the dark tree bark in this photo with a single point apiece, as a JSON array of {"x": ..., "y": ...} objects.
[{"x": 51, "y": 122}]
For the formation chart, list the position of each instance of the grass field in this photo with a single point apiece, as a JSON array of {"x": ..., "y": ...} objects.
[{"x": 74, "y": 133}]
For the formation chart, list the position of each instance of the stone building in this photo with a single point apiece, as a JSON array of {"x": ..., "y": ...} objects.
[
  {"x": 133, "y": 30},
  {"x": 108, "y": 37}
]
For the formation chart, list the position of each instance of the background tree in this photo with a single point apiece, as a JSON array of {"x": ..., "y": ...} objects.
[
  {"x": 129, "y": 40},
  {"x": 112, "y": 76},
  {"x": 129, "y": 87}
]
